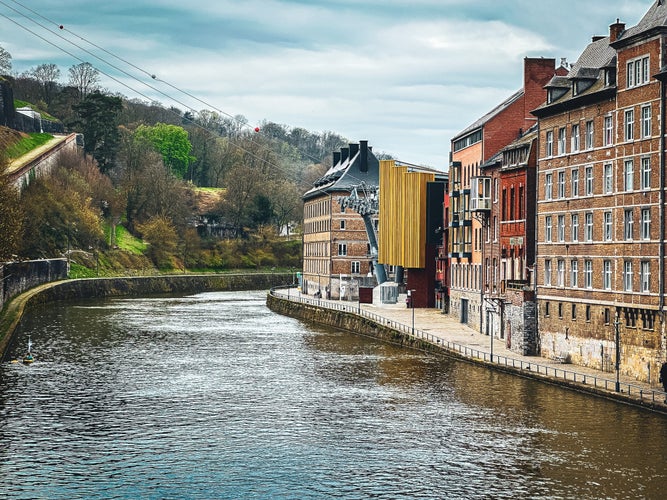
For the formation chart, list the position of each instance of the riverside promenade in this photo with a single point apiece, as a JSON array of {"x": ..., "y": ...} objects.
[{"x": 459, "y": 340}]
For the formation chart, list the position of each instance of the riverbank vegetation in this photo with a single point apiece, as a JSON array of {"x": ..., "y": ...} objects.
[{"x": 155, "y": 188}]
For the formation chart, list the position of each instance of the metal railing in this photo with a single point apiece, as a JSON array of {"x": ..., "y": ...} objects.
[{"x": 547, "y": 371}]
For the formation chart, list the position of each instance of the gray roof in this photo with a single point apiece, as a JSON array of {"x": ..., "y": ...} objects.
[
  {"x": 597, "y": 55},
  {"x": 495, "y": 111},
  {"x": 346, "y": 175},
  {"x": 654, "y": 18}
]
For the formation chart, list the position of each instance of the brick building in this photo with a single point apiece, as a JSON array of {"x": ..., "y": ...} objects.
[
  {"x": 601, "y": 208},
  {"x": 474, "y": 252},
  {"x": 336, "y": 253}
]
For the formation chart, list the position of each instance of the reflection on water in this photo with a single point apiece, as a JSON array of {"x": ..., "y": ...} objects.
[{"x": 214, "y": 396}]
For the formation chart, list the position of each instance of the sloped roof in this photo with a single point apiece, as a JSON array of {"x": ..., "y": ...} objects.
[
  {"x": 655, "y": 17},
  {"x": 596, "y": 55},
  {"x": 495, "y": 111}
]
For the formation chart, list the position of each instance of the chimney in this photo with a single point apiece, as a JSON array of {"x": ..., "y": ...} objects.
[
  {"x": 363, "y": 156},
  {"x": 336, "y": 158},
  {"x": 344, "y": 154},
  {"x": 616, "y": 30},
  {"x": 354, "y": 149}
]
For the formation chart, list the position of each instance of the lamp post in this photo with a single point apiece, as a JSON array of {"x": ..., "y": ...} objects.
[
  {"x": 618, "y": 353},
  {"x": 412, "y": 305}
]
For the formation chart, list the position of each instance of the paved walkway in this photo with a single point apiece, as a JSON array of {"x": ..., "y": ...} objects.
[{"x": 441, "y": 329}]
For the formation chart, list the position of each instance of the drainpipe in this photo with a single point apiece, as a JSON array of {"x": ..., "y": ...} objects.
[{"x": 661, "y": 265}]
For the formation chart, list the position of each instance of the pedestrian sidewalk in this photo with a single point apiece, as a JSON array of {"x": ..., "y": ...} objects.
[{"x": 449, "y": 334}]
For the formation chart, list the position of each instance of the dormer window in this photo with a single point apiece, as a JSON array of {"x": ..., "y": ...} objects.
[{"x": 609, "y": 77}]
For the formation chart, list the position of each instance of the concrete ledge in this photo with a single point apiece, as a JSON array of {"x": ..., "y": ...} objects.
[{"x": 354, "y": 323}]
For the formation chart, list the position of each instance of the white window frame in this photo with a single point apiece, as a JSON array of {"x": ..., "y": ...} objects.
[
  {"x": 574, "y": 139},
  {"x": 561, "y": 184},
  {"x": 575, "y": 227},
  {"x": 607, "y": 226},
  {"x": 645, "y": 173},
  {"x": 627, "y": 275},
  {"x": 588, "y": 273},
  {"x": 547, "y": 229},
  {"x": 549, "y": 142},
  {"x": 547, "y": 272},
  {"x": 629, "y": 121},
  {"x": 608, "y": 131},
  {"x": 588, "y": 227},
  {"x": 628, "y": 224},
  {"x": 561, "y": 228},
  {"x": 562, "y": 141},
  {"x": 646, "y": 121},
  {"x": 646, "y": 224},
  {"x": 560, "y": 273},
  {"x": 574, "y": 273},
  {"x": 608, "y": 178},
  {"x": 355, "y": 267},
  {"x": 590, "y": 134},
  {"x": 548, "y": 186},
  {"x": 629, "y": 175},
  {"x": 589, "y": 180},
  {"x": 645, "y": 276},
  {"x": 606, "y": 275},
  {"x": 574, "y": 182},
  {"x": 342, "y": 249}
]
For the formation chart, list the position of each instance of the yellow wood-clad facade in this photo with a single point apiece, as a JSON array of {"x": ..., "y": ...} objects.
[{"x": 402, "y": 235}]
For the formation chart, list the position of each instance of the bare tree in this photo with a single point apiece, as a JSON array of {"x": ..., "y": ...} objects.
[
  {"x": 47, "y": 75},
  {"x": 5, "y": 61},
  {"x": 85, "y": 78}
]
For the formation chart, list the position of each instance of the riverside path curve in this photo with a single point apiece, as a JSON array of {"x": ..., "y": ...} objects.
[{"x": 430, "y": 330}]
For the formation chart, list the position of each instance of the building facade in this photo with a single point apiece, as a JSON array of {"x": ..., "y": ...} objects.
[
  {"x": 473, "y": 240},
  {"x": 601, "y": 207},
  {"x": 337, "y": 257}
]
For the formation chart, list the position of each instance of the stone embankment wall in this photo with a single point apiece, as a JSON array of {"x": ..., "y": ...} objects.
[
  {"x": 130, "y": 286},
  {"x": 17, "y": 277},
  {"x": 347, "y": 321}
]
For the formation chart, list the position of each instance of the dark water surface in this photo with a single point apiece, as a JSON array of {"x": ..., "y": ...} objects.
[{"x": 214, "y": 396}]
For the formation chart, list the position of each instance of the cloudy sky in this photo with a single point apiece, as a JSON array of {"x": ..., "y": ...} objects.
[{"x": 407, "y": 75}]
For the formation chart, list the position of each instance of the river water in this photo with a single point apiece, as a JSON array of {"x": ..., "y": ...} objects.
[{"x": 214, "y": 396}]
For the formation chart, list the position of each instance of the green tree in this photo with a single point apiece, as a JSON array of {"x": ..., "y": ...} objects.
[
  {"x": 162, "y": 238},
  {"x": 97, "y": 119},
  {"x": 172, "y": 142}
]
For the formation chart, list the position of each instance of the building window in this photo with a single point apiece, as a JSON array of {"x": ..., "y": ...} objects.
[
  {"x": 608, "y": 132},
  {"x": 628, "y": 224},
  {"x": 560, "y": 309},
  {"x": 356, "y": 266},
  {"x": 548, "y": 186},
  {"x": 588, "y": 312},
  {"x": 546, "y": 309},
  {"x": 574, "y": 311},
  {"x": 629, "y": 124},
  {"x": 342, "y": 224},
  {"x": 648, "y": 320},
  {"x": 561, "y": 141},
  {"x": 547, "y": 229},
  {"x": 561, "y": 184},
  {"x": 646, "y": 224},
  {"x": 627, "y": 276},
  {"x": 342, "y": 249},
  {"x": 646, "y": 121},
  {"x": 574, "y": 274},
  {"x": 608, "y": 178},
  {"x": 607, "y": 227},
  {"x": 629, "y": 174},
  {"x": 637, "y": 72},
  {"x": 645, "y": 276},
  {"x": 547, "y": 272},
  {"x": 575, "y": 227},
  {"x": 561, "y": 273},
  {"x": 574, "y": 140},
  {"x": 574, "y": 181},
  {"x": 561, "y": 228},
  {"x": 550, "y": 143},
  {"x": 588, "y": 273},
  {"x": 589, "y": 180},
  {"x": 588, "y": 228},
  {"x": 607, "y": 316},
  {"x": 646, "y": 173},
  {"x": 606, "y": 274},
  {"x": 589, "y": 134}
]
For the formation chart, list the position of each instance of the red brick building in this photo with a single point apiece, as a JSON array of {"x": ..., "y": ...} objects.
[
  {"x": 601, "y": 203},
  {"x": 474, "y": 251}
]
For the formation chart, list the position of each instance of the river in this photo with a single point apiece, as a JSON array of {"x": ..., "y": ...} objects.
[{"x": 214, "y": 396}]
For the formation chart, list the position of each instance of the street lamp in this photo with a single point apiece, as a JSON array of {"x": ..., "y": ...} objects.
[
  {"x": 618, "y": 353},
  {"x": 412, "y": 305}
]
